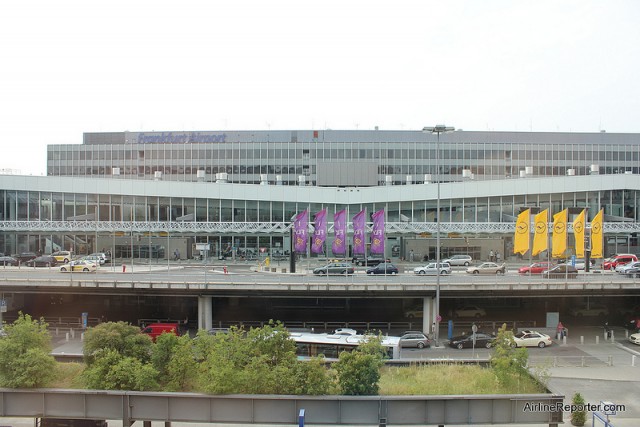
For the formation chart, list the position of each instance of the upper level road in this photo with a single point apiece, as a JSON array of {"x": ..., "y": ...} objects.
[{"x": 240, "y": 279}]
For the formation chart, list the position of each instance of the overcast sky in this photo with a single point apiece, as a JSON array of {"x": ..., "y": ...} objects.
[{"x": 69, "y": 67}]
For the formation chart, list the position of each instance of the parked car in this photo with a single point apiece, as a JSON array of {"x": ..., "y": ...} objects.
[
  {"x": 536, "y": 268},
  {"x": 459, "y": 260},
  {"x": 154, "y": 330},
  {"x": 469, "y": 311},
  {"x": 532, "y": 339},
  {"x": 618, "y": 259},
  {"x": 84, "y": 266},
  {"x": 42, "y": 261},
  {"x": 25, "y": 256},
  {"x": 383, "y": 268},
  {"x": 561, "y": 271},
  {"x": 634, "y": 339},
  {"x": 578, "y": 263},
  {"x": 335, "y": 268},
  {"x": 622, "y": 268},
  {"x": 62, "y": 256},
  {"x": 369, "y": 262},
  {"x": 93, "y": 258},
  {"x": 488, "y": 268},
  {"x": 590, "y": 310},
  {"x": 433, "y": 269},
  {"x": 482, "y": 339},
  {"x": 8, "y": 260},
  {"x": 632, "y": 272},
  {"x": 413, "y": 313},
  {"x": 105, "y": 256},
  {"x": 414, "y": 339}
]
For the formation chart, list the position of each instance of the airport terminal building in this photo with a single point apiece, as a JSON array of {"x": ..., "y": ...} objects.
[{"x": 152, "y": 194}]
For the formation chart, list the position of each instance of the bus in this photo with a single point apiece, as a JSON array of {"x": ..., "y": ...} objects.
[{"x": 331, "y": 345}]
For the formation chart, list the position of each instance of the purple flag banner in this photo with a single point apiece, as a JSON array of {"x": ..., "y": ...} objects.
[
  {"x": 320, "y": 233},
  {"x": 358, "y": 233},
  {"x": 300, "y": 230},
  {"x": 377, "y": 236},
  {"x": 340, "y": 233}
]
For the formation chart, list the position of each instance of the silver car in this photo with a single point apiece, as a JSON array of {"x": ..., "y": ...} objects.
[
  {"x": 458, "y": 260},
  {"x": 414, "y": 339},
  {"x": 433, "y": 269}
]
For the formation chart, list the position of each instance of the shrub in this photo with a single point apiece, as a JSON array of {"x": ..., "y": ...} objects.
[{"x": 579, "y": 415}]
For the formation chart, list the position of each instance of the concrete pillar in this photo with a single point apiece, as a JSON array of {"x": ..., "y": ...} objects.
[
  {"x": 205, "y": 313},
  {"x": 427, "y": 314},
  {"x": 208, "y": 320}
]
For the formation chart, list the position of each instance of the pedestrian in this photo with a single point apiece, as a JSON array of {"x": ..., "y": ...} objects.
[
  {"x": 560, "y": 330},
  {"x": 491, "y": 255},
  {"x": 411, "y": 255}
]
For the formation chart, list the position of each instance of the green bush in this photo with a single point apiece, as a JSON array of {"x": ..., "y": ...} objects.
[
  {"x": 358, "y": 371},
  {"x": 578, "y": 416},
  {"x": 25, "y": 359}
]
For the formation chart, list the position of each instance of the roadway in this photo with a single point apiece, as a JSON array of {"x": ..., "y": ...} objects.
[{"x": 198, "y": 272}]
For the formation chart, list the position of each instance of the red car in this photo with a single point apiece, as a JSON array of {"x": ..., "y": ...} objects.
[
  {"x": 536, "y": 268},
  {"x": 619, "y": 259}
]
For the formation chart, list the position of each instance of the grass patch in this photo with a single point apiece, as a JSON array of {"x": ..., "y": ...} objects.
[
  {"x": 451, "y": 379},
  {"x": 68, "y": 375},
  {"x": 403, "y": 381}
]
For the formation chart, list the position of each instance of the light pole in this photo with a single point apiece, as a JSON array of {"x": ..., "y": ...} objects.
[{"x": 437, "y": 129}]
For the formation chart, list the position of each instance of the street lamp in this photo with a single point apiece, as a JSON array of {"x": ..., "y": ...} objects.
[{"x": 438, "y": 129}]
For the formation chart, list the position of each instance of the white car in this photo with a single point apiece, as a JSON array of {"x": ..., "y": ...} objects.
[
  {"x": 464, "y": 260},
  {"x": 488, "y": 268},
  {"x": 470, "y": 311},
  {"x": 634, "y": 339},
  {"x": 84, "y": 266},
  {"x": 432, "y": 268},
  {"x": 622, "y": 268},
  {"x": 96, "y": 259},
  {"x": 591, "y": 310},
  {"x": 532, "y": 339}
]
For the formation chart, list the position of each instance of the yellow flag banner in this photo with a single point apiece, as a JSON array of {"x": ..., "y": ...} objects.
[
  {"x": 541, "y": 232},
  {"x": 578, "y": 233},
  {"x": 559, "y": 236},
  {"x": 521, "y": 237},
  {"x": 596, "y": 235}
]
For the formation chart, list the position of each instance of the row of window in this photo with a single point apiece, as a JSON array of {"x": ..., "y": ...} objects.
[
  {"x": 402, "y": 151},
  {"x": 37, "y": 206}
]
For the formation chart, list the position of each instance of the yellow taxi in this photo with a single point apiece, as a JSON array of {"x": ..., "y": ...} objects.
[
  {"x": 62, "y": 256},
  {"x": 83, "y": 266}
]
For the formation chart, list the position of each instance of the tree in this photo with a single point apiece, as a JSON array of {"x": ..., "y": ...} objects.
[
  {"x": 508, "y": 362},
  {"x": 111, "y": 370},
  {"x": 24, "y": 354},
  {"x": 358, "y": 371},
  {"x": 173, "y": 359},
  {"x": 578, "y": 415},
  {"x": 311, "y": 377},
  {"x": 260, "y": 361},
  {"x": 121, "y": 337},
  {"x": 118, "y": 358}
]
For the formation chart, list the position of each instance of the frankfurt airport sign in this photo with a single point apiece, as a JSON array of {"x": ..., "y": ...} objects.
[{"x": 182, "y": 137}]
